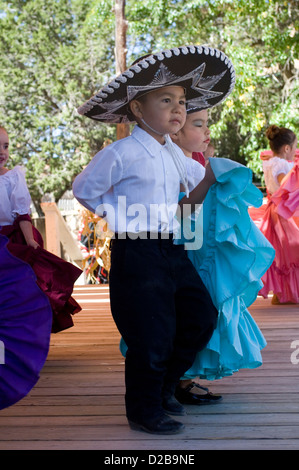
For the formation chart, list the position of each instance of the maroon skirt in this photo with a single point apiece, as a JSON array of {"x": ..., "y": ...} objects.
[{"x": 55, "y": 276}]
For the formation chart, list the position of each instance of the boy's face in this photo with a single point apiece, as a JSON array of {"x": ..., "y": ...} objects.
[
  {"x": 164, "y": 110},
  {"x": 195, "y": 135},
  {"x": 4, "y": 144}
]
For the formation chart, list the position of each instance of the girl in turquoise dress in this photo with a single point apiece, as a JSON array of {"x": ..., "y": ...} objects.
[{"x": 231, "y": 260}]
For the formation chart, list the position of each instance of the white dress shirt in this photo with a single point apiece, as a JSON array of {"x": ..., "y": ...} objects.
[
  {"x": 135, "y": 185},
  {"x": 14, "y": 196}
]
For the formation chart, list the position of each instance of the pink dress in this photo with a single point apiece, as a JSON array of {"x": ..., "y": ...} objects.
[
  {"x": 272, "y": 169},
  {"x": 280, "y": 226}
]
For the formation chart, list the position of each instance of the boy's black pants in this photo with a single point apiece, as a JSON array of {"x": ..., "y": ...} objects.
[{"x": 163, "y": 312}]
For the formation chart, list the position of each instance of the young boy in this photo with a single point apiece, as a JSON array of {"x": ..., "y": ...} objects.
[{"x": 158, "y": 301}]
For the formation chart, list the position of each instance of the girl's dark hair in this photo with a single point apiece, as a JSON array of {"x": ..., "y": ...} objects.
[{"x": 279, "y": 136}]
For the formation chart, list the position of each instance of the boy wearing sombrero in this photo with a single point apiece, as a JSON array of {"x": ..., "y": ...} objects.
[{"x": 158, "y": 301}]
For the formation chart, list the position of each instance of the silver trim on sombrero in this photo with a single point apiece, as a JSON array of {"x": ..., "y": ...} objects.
[{"x": 162, "y": 77}]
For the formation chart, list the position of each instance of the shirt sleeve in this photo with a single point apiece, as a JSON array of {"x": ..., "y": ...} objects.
[
  {"x": 20, "y": 197},
  {"x": 281, "y": 166},
  {"x": 104, "y": 171}
]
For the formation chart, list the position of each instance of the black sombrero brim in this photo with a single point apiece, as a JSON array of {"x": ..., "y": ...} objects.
[{"x": 207, "y": 75}]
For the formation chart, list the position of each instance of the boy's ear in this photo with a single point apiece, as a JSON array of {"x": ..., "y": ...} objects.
[{"x": 135, "y": 107}]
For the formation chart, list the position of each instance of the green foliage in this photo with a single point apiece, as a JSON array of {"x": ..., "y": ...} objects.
[
  {"x": 52, "y": 59},
  {"x": 260, "y": 38},
  {"x": 56, "y": 53}
]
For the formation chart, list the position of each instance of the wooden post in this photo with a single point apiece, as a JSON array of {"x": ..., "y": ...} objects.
[
  {"x": 121, "y": 25},
  {"x": 57, "y": 234},
  {"x": 52, "y": 227}
]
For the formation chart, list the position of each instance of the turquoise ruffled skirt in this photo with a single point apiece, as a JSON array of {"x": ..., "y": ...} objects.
[{"x": 231, "y": 261}]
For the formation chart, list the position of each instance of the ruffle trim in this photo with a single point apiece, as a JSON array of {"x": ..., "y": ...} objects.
[
  {"x": 233, "y": 346},
  {"x": 286, "y": 198},
  {"x": 284, "y": 281},
  {"x": 280, "y": 226},
  {"x": 233, "y": 249}
]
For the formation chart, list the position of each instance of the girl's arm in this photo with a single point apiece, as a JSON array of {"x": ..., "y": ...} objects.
[
  {"x": 280, "y": 177},
  {"x": 198, "y": 194},
  {"x": 27, "y": 231}
]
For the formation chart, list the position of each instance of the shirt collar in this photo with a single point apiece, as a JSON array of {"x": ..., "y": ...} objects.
[{"x": 151, "y": 145}]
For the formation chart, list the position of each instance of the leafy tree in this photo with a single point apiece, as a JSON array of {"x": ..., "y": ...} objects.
[
  {"x": 53, "y": 58},
  {"x": 56, "y": 53},
  {"x": 260, "y": 37}
]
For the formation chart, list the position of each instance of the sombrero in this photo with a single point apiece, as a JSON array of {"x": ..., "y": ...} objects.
[{"x": 206, "y": 73}]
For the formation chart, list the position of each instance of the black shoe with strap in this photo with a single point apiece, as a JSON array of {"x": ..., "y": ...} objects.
[{"x": 205, "y": 397}]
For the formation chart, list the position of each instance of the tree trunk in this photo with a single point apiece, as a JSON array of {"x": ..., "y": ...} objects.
[{"x": 121, "y": 25}]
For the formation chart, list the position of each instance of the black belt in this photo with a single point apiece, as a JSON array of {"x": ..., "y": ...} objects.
[{"x": 143, "y": 236}]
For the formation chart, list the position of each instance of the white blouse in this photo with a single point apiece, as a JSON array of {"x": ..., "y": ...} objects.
[
  {"x": 14, "y": 195},
  {"x": 272, "y": 168}
]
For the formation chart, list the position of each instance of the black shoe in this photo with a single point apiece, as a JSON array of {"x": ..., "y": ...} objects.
[
  {"x": 172, "y": 406},
  {"x": 162, "y": 424},
  {"x": 184, "y": 395}
]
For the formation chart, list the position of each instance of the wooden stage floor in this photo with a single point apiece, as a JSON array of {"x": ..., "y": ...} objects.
[{"x": 78, "y": 403}]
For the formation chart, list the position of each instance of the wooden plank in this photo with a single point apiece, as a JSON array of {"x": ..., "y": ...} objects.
[
  {"x": 189, "y": 446},
  {"x": 78, "y": 402},
  {"x": 115, "y": 431},
  {"x": 192, "y": 419}
]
